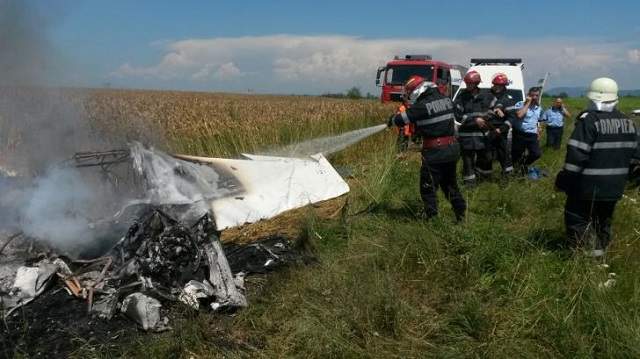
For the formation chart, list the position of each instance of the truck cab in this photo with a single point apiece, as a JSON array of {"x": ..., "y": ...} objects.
[
  {"x": 396, "y": 72},
  {"x": 488, "y": 67}
]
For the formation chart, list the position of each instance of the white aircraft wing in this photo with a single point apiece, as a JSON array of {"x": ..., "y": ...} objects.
[{"x": 270, "y": 185}]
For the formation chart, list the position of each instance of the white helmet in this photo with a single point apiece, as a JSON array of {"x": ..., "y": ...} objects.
[
  {"x": 422, "y": 88},
  {"x": 603, "y": 89}
]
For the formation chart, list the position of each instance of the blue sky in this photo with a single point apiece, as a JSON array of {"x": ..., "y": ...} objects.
[{"x": 313, "y": 47}]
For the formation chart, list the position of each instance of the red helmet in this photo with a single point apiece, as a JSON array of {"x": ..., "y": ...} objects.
[
  {"x": 500, "y": 79},
  {"x": 412, "y": 83},
  {"x": 472, "y": 77}
]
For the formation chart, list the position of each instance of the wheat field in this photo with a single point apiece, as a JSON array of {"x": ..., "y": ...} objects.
[{"x": 212, "y": 124}]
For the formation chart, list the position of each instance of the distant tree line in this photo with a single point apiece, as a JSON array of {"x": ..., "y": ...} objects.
[
  {"x": 561, "y": 95},
  {"x": 353, "y": 93}
]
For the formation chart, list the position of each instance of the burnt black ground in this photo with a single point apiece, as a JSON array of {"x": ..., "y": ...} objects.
[{"x": 57, "y": 324}]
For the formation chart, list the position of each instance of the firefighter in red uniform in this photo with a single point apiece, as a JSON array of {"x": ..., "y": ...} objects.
[{"x": 434, "y": 120}]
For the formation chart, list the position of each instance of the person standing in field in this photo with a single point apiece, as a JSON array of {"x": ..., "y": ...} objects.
[
  {"x": 500, "y": 119},
  {"x": 404, "y": 132},
  {"x": 472, "y": 110},
  {"x": 525, "y": 148},
  {"x": 553, "y": 118},
  {"x": 434, "y": 120},
  {"x": 596, "y": 168}
]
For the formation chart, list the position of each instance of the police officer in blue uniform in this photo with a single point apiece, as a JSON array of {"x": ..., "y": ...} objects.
[
  {"x": 525, "y": 149},
  {"x": 553, "y": 118}
]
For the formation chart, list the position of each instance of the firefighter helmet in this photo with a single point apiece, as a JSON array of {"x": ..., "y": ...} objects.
[
  {"x": 420, "y": 90},
  {"x": 412, "y": 83},
  {"x": 500, "y": 79},
  {"x": 472, "y": 77},
  {"x": 603, "y": 89}
]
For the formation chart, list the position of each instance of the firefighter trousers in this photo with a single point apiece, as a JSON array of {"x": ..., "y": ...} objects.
[
  {"x": 498, "y": 150},
  {"x": 440, "y": 175},
  {"x": 586, "y": 219},
  {"x": 472, "y": 160}
]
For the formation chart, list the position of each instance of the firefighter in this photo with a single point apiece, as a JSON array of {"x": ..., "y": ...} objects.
[
  {"x": 599, "y": 152},
  {"x": 471, "y": 108},
  {"x": 405, "y": 133},
  {"x": 500, "y": 119},
  {"x": 432, "y": 114}
]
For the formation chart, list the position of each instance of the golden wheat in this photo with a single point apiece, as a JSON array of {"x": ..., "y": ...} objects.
[{"x": 216, "y": 124}]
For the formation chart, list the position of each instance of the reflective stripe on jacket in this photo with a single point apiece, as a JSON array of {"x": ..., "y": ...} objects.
[{"x": 598, "y": 155}]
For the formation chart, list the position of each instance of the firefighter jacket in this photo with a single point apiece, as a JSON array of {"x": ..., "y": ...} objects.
[
  {"x": 598, "y": 156},
  {"x": 433, "y": 117},
  {"x": 467, "y": 108},
  {"x": 507, "y": 105}
]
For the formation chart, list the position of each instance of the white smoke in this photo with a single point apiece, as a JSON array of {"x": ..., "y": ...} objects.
[
  {"x": 56, "y": 208},
  {"x": 169, "y": 181},
  {"x": 41, "y": 126},
  {"x": 63, "y": 205},
  {"x": 173, "y": 181}
]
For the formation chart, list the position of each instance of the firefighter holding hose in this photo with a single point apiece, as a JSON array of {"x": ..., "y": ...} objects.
[{"x": 434, "y": 120}]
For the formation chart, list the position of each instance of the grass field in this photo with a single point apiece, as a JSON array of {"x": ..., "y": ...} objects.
[{"x": 388, "y": 284}]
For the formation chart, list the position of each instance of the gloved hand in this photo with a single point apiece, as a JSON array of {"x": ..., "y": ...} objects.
[
  {"x": 565, "y": 181},
  {"x": 634, "y": 174},
  {"x": 390, "y": 121},
  {"x": 494, "y": 134}
]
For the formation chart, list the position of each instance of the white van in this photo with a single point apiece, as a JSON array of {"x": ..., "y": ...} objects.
[{"x": 487, "y": 68}]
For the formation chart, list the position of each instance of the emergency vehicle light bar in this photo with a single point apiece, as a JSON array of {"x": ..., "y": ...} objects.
[
  {"x": 414, "y": 57},
  {"x": 496, "y": 61}
]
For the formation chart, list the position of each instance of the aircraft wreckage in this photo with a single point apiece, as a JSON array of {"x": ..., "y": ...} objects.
[{"x": 162, "y": 243}]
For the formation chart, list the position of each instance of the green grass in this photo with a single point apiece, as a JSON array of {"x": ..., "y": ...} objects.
[{"x": 389, "y": 285}]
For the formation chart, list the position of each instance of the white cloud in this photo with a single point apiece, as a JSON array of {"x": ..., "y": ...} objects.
[
  {"x": 319, "y": 63},
  {"x": 225, "y": 71},
  {"x": 634, "y": 56}
]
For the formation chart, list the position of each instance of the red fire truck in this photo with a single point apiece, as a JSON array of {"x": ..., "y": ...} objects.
[{"x": 397, "y": 71}]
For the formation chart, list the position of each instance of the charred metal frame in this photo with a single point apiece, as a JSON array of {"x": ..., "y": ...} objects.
[{"x": 104, "y": 159}]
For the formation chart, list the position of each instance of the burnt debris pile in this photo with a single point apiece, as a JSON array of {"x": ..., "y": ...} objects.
[
  {"x": 263, "y": 256},
  {"x": 158, "y": 260},
  {"x": 104, "y": 240},
  {"x": 159, "y": 263}
]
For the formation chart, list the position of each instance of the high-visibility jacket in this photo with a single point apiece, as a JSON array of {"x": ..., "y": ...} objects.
[
  {"x": 406, "y": 130},
  {"x": 598, "y": 156}
]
